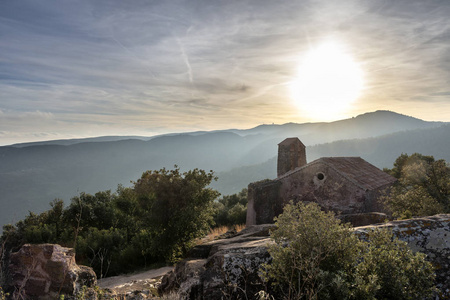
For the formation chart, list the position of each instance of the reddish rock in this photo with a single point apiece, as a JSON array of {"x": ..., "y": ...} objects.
[{"x": 46, "y": 271}]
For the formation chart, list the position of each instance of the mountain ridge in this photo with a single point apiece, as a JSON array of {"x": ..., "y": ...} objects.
[
  {"x": 263, "y": 127},
  {"x": 31, "y": 176}
]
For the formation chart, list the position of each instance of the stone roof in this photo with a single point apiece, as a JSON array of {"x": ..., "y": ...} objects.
[
  {"x": 289, "y": 141},
  {"x": 355, "y": 169}
]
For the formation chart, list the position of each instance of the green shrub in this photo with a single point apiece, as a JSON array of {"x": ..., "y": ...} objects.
[
  {"x": 314, "y": 254},
  {"x": 317, "y": 257},
  {"x": 388, "y": 269}
]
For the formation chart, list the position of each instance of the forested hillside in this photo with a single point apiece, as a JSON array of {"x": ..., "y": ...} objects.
[{"x": 32, "y": 175}]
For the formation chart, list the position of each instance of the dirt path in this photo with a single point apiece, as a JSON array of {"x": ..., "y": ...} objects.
[{"x": 132, "y": 282}]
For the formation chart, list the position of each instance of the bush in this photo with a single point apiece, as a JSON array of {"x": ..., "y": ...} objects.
[
  {"x": 388, "y": 269},
  {"x": 317, "y": 257},
  {"x": 313, "y": 254}
]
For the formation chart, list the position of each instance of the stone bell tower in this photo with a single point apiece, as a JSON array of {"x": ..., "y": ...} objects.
[{"x": 291, "y": 155}]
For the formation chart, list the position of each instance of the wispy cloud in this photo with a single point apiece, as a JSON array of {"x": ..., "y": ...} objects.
[
  {"x": 190, "y": 65},
  {"x": 186, "y": 60}
]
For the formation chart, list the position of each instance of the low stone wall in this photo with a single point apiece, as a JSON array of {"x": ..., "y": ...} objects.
[{"x": 229, "y": 268}]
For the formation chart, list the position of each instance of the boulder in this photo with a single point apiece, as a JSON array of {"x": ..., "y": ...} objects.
[
  {"x": 46, "y": 271},
  {"x": 222, "y": 269}
]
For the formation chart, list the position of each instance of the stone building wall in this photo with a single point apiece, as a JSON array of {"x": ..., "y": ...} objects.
[
  {"x": 372, "y": 199},
  {"x": 322, "y": 184},
  {"x": 317, "y": 183},
  {"x": 263, "y": 202},
  {"x": 291, "y": 155}
]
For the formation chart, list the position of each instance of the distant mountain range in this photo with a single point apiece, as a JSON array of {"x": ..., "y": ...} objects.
[{"x": 33, "y": 174}]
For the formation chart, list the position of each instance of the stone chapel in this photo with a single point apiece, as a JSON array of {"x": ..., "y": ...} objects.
[{"x": 348, "y": 186}]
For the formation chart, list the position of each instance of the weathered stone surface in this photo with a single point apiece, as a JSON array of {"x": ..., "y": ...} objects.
[
  {"x": 291, "y": 155},
  {"x": 263, "y": 202},
  {"x": 46, "y": 271},
  {"x": 232, "y": 267},
  {"x": 364, "y": 219}
]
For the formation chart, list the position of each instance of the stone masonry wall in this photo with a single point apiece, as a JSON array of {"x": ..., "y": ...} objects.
[
  {"x": 263, "y": 202},
  {"x": 330, "y": 190}
]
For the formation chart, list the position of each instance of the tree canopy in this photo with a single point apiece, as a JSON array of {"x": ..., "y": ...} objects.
[
  {"x": 423, "y": 186},
  {"x": 231, "y": 209},
  {"x": 155, "y": 220}
]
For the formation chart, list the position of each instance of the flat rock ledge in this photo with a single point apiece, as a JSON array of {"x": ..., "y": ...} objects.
[
  {"x": 229, "y": 268},
  {"x": 137, "y": 286}
]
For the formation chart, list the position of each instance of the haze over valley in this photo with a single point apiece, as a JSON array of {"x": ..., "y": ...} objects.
[{"x": 32, "y": 175}]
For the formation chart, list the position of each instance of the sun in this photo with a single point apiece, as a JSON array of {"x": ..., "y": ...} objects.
[{"x": 327, "y": 83}]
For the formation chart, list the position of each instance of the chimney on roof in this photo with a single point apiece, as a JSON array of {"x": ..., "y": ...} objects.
[{"x": 291, "y": 155}]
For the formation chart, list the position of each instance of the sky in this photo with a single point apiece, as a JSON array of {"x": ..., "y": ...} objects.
[{"x": 84, "y": 68}]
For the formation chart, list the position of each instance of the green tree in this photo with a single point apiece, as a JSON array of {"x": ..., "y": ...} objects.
[
  {"x": 317, "y": 257},
  {"x": 231, "y": 209},
  {"x": 88, "y": 210},
  {"x": 178, "y": 208},
  {"x": 155, "y": 220},
  {"x": 100, "y": 249},
  {"x": 423, "y": 186},
  {"x": 128, "y": 212}
]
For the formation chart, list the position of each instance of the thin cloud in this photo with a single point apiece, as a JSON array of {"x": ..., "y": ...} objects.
[{"x": 207, "y": 64}]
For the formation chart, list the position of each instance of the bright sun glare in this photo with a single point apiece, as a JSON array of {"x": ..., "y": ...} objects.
[{"x": 328, "y": 81}]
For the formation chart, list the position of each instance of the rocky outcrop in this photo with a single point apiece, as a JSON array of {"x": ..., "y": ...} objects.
[
  {"x": 225, "y": 268},
  {"x": 230, "y": 268},
  {"x": 46, "y": 271}
]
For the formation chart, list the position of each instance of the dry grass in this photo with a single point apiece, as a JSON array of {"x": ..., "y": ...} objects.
[
  {"x": 218, "y": 231},
  {"x": 239, "y": 227},
  {"x": 215, "y": 232}
]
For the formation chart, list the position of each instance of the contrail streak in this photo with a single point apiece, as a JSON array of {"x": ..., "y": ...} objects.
[{"x": 186, "y": 60}]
